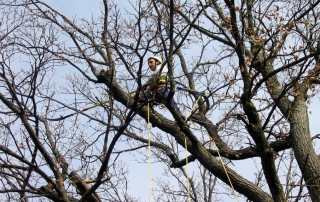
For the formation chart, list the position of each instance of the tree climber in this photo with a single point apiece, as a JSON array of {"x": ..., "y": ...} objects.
[{"x": 158, "y": 85}]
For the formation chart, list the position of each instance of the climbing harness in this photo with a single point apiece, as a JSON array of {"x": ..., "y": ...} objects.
[{"x": 161, "y": 81}]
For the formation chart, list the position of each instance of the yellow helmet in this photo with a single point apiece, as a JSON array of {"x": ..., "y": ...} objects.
[{"x": 156, "y": 58}]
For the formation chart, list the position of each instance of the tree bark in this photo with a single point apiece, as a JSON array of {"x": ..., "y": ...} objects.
[{"x": 302, "y": 146}]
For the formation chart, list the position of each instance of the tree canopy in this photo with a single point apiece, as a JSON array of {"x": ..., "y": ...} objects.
[{"x": 244, "y": 74}]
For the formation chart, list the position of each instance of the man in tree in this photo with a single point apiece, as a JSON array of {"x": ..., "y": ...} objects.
[{"x": 157, "y": 85}]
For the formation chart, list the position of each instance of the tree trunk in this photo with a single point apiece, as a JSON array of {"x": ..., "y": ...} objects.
[{"x": 303, "y": 149}]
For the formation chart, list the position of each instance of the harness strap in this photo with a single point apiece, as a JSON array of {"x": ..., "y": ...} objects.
[{"x": 161, "y": 81}]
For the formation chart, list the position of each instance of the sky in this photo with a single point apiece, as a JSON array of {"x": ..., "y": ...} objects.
[
  {"x": 139, "y": 175},
  {"x": 138, "y": 178}
]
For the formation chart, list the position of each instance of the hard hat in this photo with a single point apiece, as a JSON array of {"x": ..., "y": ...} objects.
[{"x": 156, "y": 58}]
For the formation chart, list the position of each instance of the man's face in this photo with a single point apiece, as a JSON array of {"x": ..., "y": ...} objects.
[{"x": 152, "y": 64}]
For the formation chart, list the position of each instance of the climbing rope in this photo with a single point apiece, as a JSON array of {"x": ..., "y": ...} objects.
[
  {"x": 225, "y": 169},
  {"x": 197, "y": 93},
  {"x": 149, "y": 156},
  {"x": 221, "y": 160},
  {"x": 186, "y": 147}
]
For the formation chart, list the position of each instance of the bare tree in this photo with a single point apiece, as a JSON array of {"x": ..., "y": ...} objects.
[{"x": 248, "y": 70}]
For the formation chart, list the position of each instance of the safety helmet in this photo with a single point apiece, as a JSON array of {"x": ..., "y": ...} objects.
[{"x": 156, "y": 58}]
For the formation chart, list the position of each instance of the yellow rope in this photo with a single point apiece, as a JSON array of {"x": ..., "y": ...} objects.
[
  {"x": 225, "y": 169},
  {"x": 223, "y": 165},
  {"x": 149, "y": 157},
  {"x": 186, "y": 146},
  {"x": 221, "y": 160}
]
